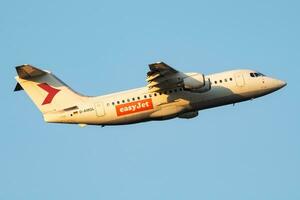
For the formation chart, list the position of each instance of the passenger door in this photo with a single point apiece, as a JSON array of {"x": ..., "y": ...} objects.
[
  {"x": 99, "y": 109},
  {"x": 239, "y": 79}
]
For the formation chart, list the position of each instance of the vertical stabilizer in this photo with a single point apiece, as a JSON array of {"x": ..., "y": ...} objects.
[{"x": 47, "y": 92}]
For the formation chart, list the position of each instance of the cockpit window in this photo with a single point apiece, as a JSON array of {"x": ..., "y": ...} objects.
[{"x": 256, "y": 74}]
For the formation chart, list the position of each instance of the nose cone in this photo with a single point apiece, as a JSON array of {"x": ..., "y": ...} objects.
[
  {"x": 277, "y": 84},
  {"x": 280, "y": 84}
]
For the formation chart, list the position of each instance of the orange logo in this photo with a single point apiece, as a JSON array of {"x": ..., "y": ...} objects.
[{"x": 134, "y": 107}]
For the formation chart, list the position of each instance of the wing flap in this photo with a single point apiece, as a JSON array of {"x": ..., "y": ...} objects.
[
  {"x": 159, "y": 69},
  {"x": 161, "y": 77}
]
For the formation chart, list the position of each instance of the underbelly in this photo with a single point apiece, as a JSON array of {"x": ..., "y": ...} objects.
[{"x": 218, "y": 101}]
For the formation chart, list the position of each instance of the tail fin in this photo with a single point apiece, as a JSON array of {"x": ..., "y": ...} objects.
[{"x": 47, "y": 92}]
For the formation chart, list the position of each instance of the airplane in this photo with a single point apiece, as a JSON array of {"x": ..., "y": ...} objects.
[{"x": 168, "y": 94}]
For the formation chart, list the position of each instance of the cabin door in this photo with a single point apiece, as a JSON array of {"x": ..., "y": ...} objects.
[
  {"x": 239, "y": 79},
  {"x": 99, "y": 109}
]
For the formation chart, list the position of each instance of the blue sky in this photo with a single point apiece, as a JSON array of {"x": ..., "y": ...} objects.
[{"x": 250, "y": 151}]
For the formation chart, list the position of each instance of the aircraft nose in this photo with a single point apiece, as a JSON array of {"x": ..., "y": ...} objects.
[
  {"x": 278, "y": 84},
  {"x": 281, "y": 84}
]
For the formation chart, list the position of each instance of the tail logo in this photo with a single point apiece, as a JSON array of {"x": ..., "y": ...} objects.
[{"x": 51, "y": 92}]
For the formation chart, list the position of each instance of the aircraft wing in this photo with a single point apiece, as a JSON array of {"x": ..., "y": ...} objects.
[{"x": 162, "y": 77}]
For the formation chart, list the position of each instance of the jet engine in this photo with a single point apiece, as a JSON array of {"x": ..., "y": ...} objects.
[
  {"x": 195, "y": 82},
  {"x": 188, "y": 115}
]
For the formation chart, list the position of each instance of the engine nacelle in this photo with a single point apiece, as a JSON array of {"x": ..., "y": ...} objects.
[
  {"x": 188, "y": 115},
  {"x": 205, "y": 88},
  {"x": 194, "y": 81}
]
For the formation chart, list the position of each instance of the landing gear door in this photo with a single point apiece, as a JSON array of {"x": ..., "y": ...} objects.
[
  {"x": 239, "y": 79},
  {"x": 99, "y": 109}
]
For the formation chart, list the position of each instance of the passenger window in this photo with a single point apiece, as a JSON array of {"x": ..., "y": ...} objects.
[
  {"x": 113, "y": 103},
  {"x": 225, "y": 80},
  {"x": 221, "y": 81},
  {"x": 123, "y": 101},
  {"x": 118, "y": 102},
  {"x": 170, "y": 91},
  {"x": 145, "y": 96},
  {"x": 138, "y": 98},
  {"x": 230, "y": 79},
  {"x": 216, "y": 82},
  {"x": 133, "y": 99},
  {"x": 107, "y": 104},
  {"x": 175, "y": 90},
  {"x": 252, "y": 75},
  {"x": 155, "y": 94}
]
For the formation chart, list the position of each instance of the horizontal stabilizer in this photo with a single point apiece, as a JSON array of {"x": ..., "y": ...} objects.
[
  {"x": 18, "y": 87},
  {"x": 27, "y": 71}
]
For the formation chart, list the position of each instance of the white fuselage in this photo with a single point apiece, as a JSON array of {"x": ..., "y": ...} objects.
[{"x": 138, "y": 105}]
